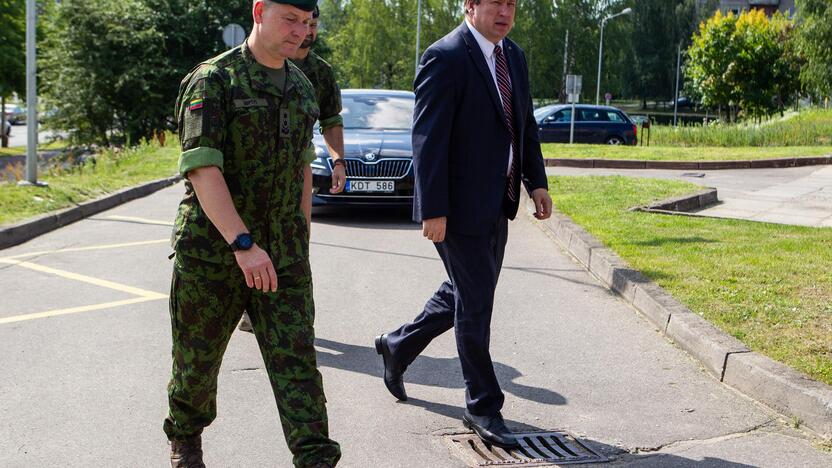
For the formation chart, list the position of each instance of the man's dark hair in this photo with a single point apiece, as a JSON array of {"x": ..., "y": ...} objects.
[{"x": 316, "y": 12}]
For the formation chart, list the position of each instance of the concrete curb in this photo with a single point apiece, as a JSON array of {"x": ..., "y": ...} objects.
[
  {"x": 684, "y": 203},
  {"x": 688, "y": 165},
  {"x": 27, "y": 230},
  {"x": 723, "y": 356}
]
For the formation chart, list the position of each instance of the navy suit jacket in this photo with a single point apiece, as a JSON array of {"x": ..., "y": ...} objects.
[{"x": 461, "y": 139}]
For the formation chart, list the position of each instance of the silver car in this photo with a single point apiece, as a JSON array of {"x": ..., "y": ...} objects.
[{"x": 16, "y": 115}]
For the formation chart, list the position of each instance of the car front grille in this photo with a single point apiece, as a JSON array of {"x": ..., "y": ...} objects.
[{"x": 381, "y": 169}]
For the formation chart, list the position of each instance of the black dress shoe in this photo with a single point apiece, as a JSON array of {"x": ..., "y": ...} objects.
[
  {"x": 392, "y": 371},
  {"x": 491, "y": 429}
]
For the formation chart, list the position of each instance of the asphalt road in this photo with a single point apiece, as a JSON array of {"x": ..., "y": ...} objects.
[
  {"x": 797, "y": 195},
  {"x": 85, "y": 357},
  {"x": 20, "y": 135}
]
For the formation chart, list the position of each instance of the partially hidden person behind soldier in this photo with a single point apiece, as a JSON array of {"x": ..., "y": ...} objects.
[
  {"x": 331, "y": 124},
  {"x": 475, "y": 143},
  {"x": 241, "y": 238}
]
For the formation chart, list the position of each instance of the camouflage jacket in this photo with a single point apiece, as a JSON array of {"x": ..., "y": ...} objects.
[
  {"x": 322, "y": 76},
  {"x": 230, "y": 115}
]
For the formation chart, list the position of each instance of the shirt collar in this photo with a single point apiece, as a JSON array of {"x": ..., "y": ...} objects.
[{"x": 486, "y": 45}]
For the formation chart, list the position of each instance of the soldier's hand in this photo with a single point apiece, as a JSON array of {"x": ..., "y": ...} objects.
[
  {"x": 257, "y": 268},
  {"x": 339, "y": 179}
]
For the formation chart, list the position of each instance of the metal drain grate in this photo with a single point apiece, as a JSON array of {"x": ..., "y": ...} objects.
[{"x": 536, "y": 449}]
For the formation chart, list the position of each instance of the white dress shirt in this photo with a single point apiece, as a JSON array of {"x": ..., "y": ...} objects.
[{"x": 487, "y": 48}]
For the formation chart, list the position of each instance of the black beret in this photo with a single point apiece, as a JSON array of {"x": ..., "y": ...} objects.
[{"x": 305, "y": 5}]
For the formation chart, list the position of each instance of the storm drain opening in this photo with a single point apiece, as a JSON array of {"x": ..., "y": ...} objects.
[{"x": 536, "y": 449}]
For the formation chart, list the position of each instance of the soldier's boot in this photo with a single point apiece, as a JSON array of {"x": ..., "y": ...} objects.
[
  {"x": 245, "y": 324},
  {"x": 186, "y": 453}
]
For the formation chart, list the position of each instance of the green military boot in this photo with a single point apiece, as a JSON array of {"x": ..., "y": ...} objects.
[{"x": 186, "y": 453}]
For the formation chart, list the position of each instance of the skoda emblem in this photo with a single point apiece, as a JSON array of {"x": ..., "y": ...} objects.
[{"x": 370, "y": 156}]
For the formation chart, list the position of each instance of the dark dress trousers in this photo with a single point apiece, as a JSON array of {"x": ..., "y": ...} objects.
[{"x": 461, "y": 146}]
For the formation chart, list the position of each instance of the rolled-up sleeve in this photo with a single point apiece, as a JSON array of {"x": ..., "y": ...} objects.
[
  {"x": 202, "y": 121},
  {"x": 329, "y": 100}
]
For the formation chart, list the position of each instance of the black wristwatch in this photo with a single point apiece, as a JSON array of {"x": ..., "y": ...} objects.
[
  {"x": 338, "y": 161},
  {"x": 242, "y": 242}
]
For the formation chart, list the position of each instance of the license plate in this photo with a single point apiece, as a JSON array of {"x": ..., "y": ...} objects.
[{"x": 371, "y": 186}]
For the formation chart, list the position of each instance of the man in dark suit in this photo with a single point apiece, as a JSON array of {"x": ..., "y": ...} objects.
[{"x": 474, "y": 141}]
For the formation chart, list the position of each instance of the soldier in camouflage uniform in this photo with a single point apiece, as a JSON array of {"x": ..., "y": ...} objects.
[
  {"x": 241, "y": 237},
  {"x": 328, "y": 95}
]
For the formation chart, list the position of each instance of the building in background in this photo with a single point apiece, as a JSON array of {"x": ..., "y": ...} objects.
[{"x": 769, "y": 6}]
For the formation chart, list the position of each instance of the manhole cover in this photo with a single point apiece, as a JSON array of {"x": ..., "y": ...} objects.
[{"x": 536, "y": 449}]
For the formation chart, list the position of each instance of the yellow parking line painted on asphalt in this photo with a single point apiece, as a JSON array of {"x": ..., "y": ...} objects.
[
  {"x": 81, "y": 249},
  {"x": 140, "y": 220},
  {"x": 87, "y": 279},
  {"x": 75, "y": 310}
]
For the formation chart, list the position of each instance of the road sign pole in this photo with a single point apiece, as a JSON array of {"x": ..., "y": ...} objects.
[
  {"x": 572, "y": 123},
  {"x": 676, "y": 100}
]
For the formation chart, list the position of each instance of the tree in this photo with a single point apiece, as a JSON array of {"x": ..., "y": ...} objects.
[
  {"x": 373, "y": 47},
  {"x": 743, "y": 61},
  {"x": 101, "y": 62},
  {"x": 660, "y": 27},
  {"x": 112, "y": 68},
  {"x": 12, "y": 39},
  {"x": 12, "y": 58},
  {"x": 536, "y": 31},
  {"x": 814, "y": 44}
]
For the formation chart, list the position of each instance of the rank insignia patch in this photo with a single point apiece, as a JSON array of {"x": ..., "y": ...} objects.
[{"x": 195, "y": 104}]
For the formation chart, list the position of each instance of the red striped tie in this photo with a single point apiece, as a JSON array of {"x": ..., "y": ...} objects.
[{"x": 504, "y": 83}]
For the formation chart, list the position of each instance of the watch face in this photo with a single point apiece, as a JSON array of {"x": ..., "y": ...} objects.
[{"x": 245, "y": 241}]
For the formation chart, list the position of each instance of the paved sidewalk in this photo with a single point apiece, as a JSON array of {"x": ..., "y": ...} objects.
[
  {"x": 87, "y": 388},
  {"x": 798, "y": 196}
]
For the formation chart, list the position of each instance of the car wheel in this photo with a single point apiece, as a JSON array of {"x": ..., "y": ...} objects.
[{"x": 615, "y": 140}]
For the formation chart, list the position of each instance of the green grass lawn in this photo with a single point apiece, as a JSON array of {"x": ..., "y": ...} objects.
[
  {"x": 807, "y": 128},
  {"x": 679, "y": 153},
  {"x": 112, "y": 171},
  {"x": 21, "y": 150},
  {"x": 768, "y": 285}
]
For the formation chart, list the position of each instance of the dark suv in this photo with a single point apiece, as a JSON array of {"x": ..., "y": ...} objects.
[{"x": 593, "y": 124}]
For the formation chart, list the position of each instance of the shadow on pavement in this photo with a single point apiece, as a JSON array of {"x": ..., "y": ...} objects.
[
  {"x": 446, "y": 373},
  {"x": 426, "y": 370},
  {"x": 620, "y": 457},
  {"x": 365, "y": 217}
]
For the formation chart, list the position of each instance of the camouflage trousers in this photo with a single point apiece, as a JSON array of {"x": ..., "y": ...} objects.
[{"x": 206, "y": 303}]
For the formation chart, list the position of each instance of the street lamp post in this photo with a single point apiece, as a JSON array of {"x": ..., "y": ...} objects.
[
  {"x": 31, "y": 96},
  {"x": 418, "y": 31},
  {"x": 625, "y": 11}
]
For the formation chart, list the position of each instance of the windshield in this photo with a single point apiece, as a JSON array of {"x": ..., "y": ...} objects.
[
  {"x": 542, "y": 112},
  {"x": 377, "y": 112}
]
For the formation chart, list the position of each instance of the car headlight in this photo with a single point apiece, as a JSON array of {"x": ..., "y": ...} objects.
[{"x": 320, "y": 164}]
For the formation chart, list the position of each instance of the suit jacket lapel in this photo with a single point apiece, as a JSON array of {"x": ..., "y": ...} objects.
[{"x": 479, "y": 60}]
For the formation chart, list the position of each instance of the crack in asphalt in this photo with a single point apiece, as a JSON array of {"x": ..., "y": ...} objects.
[{"x": 756, "y": 428}]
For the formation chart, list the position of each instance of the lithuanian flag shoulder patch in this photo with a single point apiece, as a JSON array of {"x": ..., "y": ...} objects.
[{"x": 195, "y": 104}]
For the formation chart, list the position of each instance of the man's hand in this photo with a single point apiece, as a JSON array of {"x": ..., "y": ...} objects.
[
  {"x": 542, "y": 203},
  {"x": 257, "y": 268},
  {"x": 434, "y": 228},
  {"x": 339, "y": 179}
]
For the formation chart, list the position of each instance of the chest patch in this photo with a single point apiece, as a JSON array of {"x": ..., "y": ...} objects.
[
  {"x": 252, "y": 102},
  {"x": 284, "y": 123}
]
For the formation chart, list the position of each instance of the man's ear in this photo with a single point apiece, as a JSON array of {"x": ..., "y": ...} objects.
[{"x": 257, "y": 12}]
